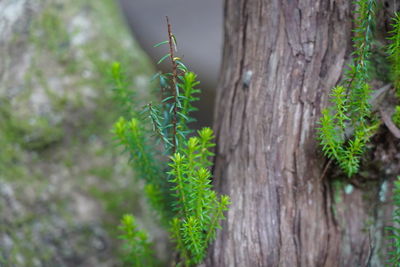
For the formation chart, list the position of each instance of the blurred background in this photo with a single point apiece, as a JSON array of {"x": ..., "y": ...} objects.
[
  {"x": 63, "y": 184},
  {"x": 198, "y": 27}
]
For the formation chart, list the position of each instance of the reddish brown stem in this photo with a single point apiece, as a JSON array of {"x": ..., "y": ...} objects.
[{"x": 174, "y": 82}]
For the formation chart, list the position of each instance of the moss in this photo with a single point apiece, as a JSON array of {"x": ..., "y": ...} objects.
[
  {"x": 32, "y": 133},
  {"x": 10, "y": 152},
  {"x": 39, "y": 134},
  {"x": 68, "y": 147},
  {"x": 9, "y": 158},
  {"x": 49, "y": 32}
]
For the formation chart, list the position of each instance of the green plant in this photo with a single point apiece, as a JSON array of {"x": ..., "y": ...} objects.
[
  {"x": 396, "y": 116},
  {"x": 393, "y": 51},
  {"x": 394, "y": 236},
  {"x": 350, "y": 109},
  {"x": 174, "y": 166},
  {"x": 137, "y": 246},
  {"x": 347, "y": 125}
]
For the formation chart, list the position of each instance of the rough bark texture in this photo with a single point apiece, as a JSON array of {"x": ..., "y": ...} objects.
[{"x": 280, "y": 60}]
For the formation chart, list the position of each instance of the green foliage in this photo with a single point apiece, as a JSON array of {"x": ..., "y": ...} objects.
[
  {"x": 394, "y": 237},
  {"x": 347, "y": 125},
  {"x": 137, "y": 247},
  {"x": 174, "y": 166},
  {"x": 350, "y": 107},
  {"x": 198, "y": 208},
  {"x": 135, "y": 139},
  {"x": 396, "y": 116},
  {"x": 122, "y": 94},
  {"x": 132, "y": 137},
  {"x": 393, "y": 51}
]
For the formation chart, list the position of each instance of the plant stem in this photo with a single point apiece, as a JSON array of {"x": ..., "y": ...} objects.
[
  {"x": 174, "y": 84},
  {"x": 214, "y": 222}
]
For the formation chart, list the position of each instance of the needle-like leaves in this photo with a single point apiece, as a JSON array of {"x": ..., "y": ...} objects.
[
  {"x": 163, "y": 58},
  {"x": 177, "y": 175},
  {"x": 161, "y": 43},
  {"x": 350, "y": 101}
]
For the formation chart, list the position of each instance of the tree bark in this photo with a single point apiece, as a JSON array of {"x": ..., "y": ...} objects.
[{"x": 280, "y": 60}]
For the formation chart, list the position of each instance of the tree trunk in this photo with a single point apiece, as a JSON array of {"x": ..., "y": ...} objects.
[{"x": 280, "y": 60}]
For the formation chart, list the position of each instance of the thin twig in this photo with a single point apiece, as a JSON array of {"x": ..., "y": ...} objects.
[
  {"x": 349, "y": 84},
  {"x": 174, "y": 82}
]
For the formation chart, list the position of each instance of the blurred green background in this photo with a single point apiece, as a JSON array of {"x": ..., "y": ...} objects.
[{"x": 63, "y": 184}]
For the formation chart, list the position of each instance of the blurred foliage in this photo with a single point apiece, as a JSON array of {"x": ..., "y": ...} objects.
[
  {"x": 394, "y": 231},
  {"x": 62, "y": 189}
]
